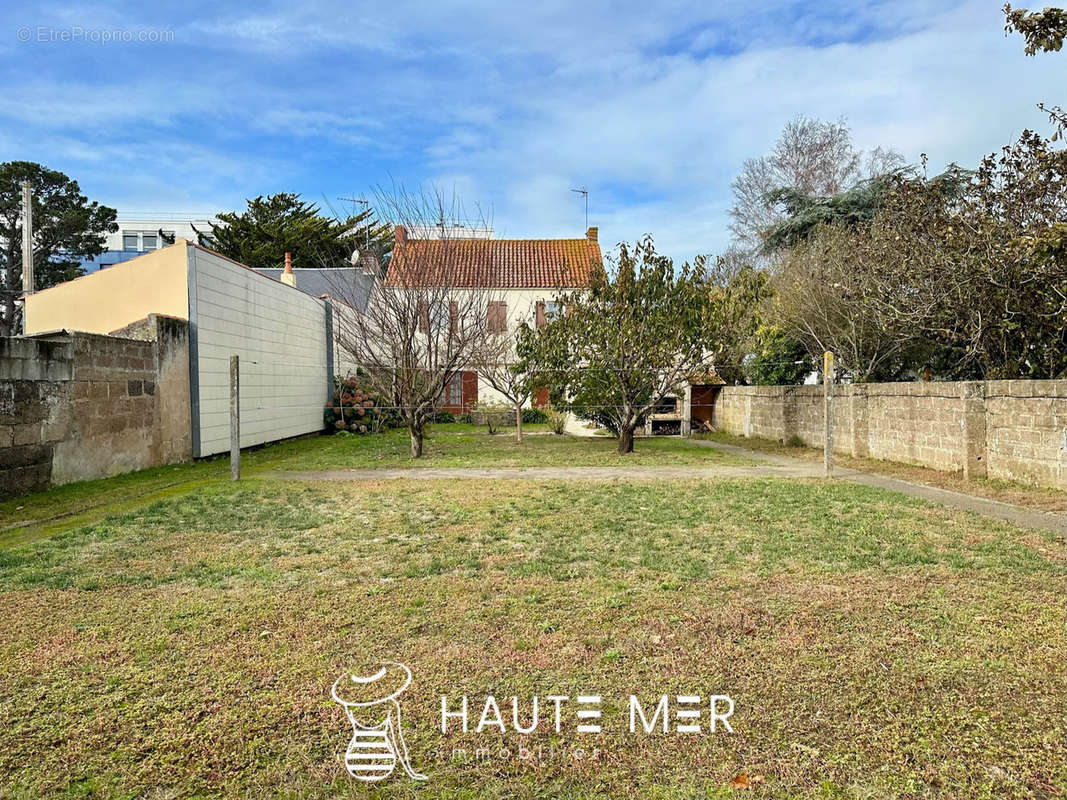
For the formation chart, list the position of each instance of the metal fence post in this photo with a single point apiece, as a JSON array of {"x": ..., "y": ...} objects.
[
  {"x": 235, "y": 418},
  {"x": 828, "y": 419}
]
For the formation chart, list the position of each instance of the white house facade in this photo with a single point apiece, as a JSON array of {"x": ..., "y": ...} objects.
[{"x": 521, "y": 278}]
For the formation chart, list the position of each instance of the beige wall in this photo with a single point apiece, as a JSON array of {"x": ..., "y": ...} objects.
[
  {"x": 1014, "y": 430},
  {"x": 112, "y": 298}
]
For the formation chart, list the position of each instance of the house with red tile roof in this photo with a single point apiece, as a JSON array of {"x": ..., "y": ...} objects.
[{"x": 524, "y": 275}]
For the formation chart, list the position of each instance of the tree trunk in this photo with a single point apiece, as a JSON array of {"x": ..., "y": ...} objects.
[
  {"x": 518, "y": 423},
  {"x": 626, "y": 439},
  {"x": 416, "y": 440}
]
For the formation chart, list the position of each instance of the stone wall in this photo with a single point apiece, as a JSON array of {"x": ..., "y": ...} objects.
[
  {"x": 77, "y": 406},
  {"x": 1014, "y": 430}
]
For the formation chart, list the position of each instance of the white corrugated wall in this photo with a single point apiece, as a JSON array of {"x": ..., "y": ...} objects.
[{"x": 280, "y": 335}]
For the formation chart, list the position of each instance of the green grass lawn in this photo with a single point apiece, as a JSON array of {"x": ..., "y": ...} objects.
[
  {"x": 459, "y": 445},
  {"x": 874, "y": 645},
  {"x": 450, "y": 445}
]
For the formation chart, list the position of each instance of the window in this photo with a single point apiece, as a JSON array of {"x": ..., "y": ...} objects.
[
  {"x": 498, "y": 317},
  {"x": 131, "y": 240},
  {"x": 547, "y": 310},
  {"x": 148, "y": 240},
  {"x": 454, "y": 390}
]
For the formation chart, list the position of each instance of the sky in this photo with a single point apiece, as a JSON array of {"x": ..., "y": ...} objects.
[{"x": 651, "y": 106}]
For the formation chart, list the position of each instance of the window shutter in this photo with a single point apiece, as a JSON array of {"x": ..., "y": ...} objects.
[
  {"x": 470, "y": 390},
  {"x": 541, "y": 313},
  {"x": 453, "y": 317},
  {"x": 497, "y": 317}
]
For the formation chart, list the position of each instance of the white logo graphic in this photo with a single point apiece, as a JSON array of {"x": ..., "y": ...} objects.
[{"x": 377, "y": 740}]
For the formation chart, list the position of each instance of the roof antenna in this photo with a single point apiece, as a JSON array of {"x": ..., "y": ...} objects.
[
  {"x": 366, "y": 228},
  {"x": 584, "y": 192}
]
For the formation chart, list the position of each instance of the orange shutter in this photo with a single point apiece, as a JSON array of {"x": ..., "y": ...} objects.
[{"x": 541, "y": 314}]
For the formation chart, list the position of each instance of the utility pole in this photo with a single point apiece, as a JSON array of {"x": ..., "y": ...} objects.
[
  {"x": 27, "y": 241},
  {"x": 828, "y": 418},
  {"x": 584, "y": 192}
]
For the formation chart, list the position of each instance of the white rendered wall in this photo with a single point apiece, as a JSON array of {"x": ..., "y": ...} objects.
[{"x": 522, "y": 307}]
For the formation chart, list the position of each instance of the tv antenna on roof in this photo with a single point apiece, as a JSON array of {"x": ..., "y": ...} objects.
[
  {"x": 584, "y": 192},
  {"x": 354, "y": 259}
]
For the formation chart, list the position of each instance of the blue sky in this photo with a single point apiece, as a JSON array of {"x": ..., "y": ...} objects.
[{"x": 652, "y": 106}]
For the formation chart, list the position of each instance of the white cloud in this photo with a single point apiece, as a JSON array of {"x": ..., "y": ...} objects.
[{"x": 514, "y": 105}]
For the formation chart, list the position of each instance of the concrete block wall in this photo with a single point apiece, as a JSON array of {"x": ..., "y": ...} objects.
[
  {"x": 35, "y": 390},
  {"x": 1013, "y": 430},
  {"x": 80, "y": 406},
  {"x": 1026, "y": 430}
]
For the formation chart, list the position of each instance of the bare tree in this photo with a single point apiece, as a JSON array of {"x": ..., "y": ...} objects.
[
  {"x": 826, "y": 299},
  {"x": 513, "y": 368},
  {"x": 425, "y": 321},
  {"x": 504, "y": 371},
  {"x": 812, "y": 157}
]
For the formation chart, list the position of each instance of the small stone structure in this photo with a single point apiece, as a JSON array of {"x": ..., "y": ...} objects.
[
  {"x": 1014, "y": 430},
  {"x": 78, "y": 406}
]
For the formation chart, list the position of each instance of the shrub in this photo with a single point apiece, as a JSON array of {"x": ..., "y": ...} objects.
[
  {"x": 794, "y": 441},
  {"x": 354, "y": 410},
  {"x": 465, "y": 418},
  {"x": 443, "y": 417},
  {"x": 534, "y": 416},
  {"x": 556, "y": 419},
  {"x": 494, "y": 415}
]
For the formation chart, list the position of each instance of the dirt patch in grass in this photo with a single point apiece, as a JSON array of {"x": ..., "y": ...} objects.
[
  {"x": 1035, "y": 497},
  {"x": 874, "y": 645}
]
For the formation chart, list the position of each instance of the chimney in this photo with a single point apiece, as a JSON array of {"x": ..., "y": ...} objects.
[
  {"x": 400, "y": 235},
  {"x": 288, "y": 278},
  {"x": 591, "y": 234}
]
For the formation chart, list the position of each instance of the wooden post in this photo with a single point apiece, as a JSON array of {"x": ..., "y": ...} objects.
[
  {"x": 828, "y": 420},
  {"x": 235, "y": 418}
]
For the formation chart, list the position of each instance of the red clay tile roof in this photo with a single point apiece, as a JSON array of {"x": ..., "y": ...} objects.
[{"x": 495, "y": 263}]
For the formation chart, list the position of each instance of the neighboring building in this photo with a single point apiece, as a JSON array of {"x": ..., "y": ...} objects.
[
  {"x": 282, "y": 335},
  {"x": 137, "y": 235},
  {"x": 341, "y": 286},
  {"x": 525, "y": 276},
  {"x": 352, "y": 285}
]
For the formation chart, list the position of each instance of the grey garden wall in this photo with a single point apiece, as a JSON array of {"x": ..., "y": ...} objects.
[
  {"x": 78, "y": 406},
  {"x": 1014, "y": 430}
]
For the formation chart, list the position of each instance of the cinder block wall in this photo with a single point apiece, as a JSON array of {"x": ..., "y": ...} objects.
[
  {"x": 35, "y": 395},
  {"x": 82, "y": 406},
  {"x": 1014, "y": 430}
]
